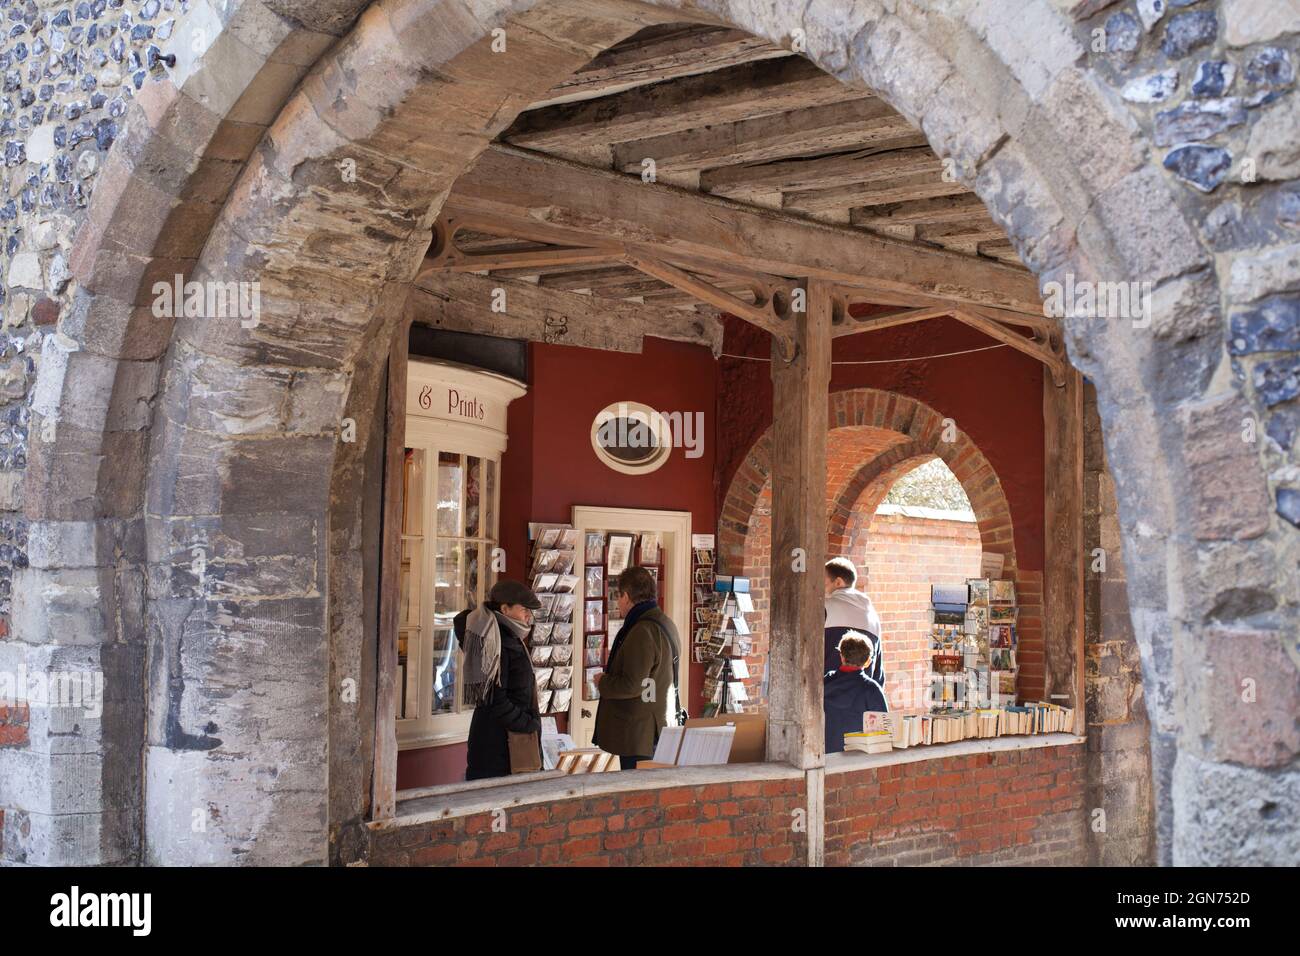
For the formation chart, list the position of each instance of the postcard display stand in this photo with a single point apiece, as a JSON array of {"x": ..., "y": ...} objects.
[
  {"x": 727, "y": 643},
  {"x": 606, "y": 556},
  {"x": 973, "y": 645},
  {"x": 554, "y": 581}
]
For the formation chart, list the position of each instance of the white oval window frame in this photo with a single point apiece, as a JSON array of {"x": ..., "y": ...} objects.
[{"x": 631, "y": 409}]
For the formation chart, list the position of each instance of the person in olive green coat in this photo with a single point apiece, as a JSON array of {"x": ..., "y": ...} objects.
[{"x": 638, "y": 677}]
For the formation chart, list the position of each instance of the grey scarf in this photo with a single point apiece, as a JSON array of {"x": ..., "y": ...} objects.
[{"x": 483, "y": 652}]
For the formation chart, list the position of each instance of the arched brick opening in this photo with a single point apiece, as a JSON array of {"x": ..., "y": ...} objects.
[
  {"x": 244, "y": 150},
  {"x": 876, "y": 437}
]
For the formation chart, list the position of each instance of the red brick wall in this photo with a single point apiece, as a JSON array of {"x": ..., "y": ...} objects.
[
  {"x": 1011, "y": 806},
  {"x": 725, "y": 824},
  {"x": 903, "y": 557},
  {"x": 13, "y": 725}
]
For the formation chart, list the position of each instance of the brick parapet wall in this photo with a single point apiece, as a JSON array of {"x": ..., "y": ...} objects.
[
  {"x": 746, "y": 823},
  {"x": 1023, "y": 806},
  {"x": 1018, "y": 803}
]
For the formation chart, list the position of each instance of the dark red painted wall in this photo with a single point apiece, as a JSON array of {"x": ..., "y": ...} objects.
[
  {"x": 995, "y": 397},
  {"x": 549, "y": 466}
]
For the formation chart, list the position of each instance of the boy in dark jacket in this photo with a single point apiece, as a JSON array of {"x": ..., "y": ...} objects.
[
  {"x": 848, "y": 693},
  {"x": 508, "y": 702}
]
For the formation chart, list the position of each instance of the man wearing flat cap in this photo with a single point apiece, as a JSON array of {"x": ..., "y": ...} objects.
[{"x": 499, "y": 679}]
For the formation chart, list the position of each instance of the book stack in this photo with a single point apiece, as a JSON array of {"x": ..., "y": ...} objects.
[
  {"x": 876, "y": 736},
  {"x": 552, "y": 565}
]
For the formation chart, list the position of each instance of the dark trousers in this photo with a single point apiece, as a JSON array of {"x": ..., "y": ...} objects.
[{"x": 629, "y": 763}]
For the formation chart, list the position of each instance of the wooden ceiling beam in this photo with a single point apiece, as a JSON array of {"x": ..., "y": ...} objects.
[
  {"x": 464, "y": 303},
  {"x": 663, "y": 53},
  {"x": 834, "y": 127},
  {"x": 723, "y": 96},
  {"x": 935, "y": 211},
  {"x": 820, "y": 172},
  {"x": 542, "y": 199},
  {"x": 926, "y": 184}
]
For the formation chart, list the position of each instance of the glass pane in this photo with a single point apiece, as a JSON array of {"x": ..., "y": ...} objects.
[
  {"x": 450, "y": 490},
  {"x": 490, "y": 499},
  {"x": 408, "y": 652},
  {"x": 473, "y": 573},
  {"x": 413, "y": 493},
  {"x": 412, "y": 578},
  {"x": 473, "y": 495},
  {"x": 448, "y": 600}
]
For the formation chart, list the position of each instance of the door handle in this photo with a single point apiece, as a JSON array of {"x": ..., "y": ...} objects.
[{"x": 586, "y": 712}]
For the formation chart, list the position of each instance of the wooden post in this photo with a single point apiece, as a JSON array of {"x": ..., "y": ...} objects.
[
  {"x": 799, "y": 395},
  {"x": 383, "y": 802},
  {"x": 1063, "y": 530}
]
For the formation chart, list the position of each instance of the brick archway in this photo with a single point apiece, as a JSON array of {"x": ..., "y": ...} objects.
[
  {"x": 232, "y": 169},
  {"x": 920, "y": 431},
  {"x": 902, "y": 434}
]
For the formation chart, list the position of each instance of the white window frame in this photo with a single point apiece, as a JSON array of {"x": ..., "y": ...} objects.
[{"x": 433, "y": 432}]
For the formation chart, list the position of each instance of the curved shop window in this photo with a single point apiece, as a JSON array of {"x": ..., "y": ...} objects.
[{"x": 455, "y": 436}]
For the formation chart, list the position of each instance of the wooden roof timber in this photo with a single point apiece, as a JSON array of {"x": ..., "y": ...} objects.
[
  {"x": 662, "y": 53},
  {"x": 464, "y": 303},
  {"x": 542, "y": 199},
  {"x": 726, "y": 95},
  {"x": 808, "y": 131},
  {"x": 562, "y": 214}
]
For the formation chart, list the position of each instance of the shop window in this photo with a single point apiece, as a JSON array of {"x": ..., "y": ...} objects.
[
  {"x": 631, "y": 438},
  {"x": 455, "y": 435}
]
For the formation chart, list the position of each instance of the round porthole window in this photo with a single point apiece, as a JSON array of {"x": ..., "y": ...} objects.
[{"x": 631, "y": 438}]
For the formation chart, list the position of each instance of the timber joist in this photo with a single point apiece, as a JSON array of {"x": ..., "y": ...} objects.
[{"x": 466, "y": 242}]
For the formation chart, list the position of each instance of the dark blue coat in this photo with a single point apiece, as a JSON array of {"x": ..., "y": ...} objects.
[{"x": 846, "y": 696}]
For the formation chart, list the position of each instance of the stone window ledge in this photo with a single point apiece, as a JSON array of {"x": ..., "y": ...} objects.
[
  {"x": 449, "y": 801},
  {"x": 431, "y": 804},
  {"x": 850, "y": 762}
]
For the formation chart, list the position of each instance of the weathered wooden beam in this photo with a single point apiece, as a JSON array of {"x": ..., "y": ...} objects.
[
  {"x": 811, "y": 131},
  {"x": 661, "y": 54},
  {"x": 940, "y": 209},
  {"x": 888, "y": 320},
  {"x": 906, "y": 185},
  {"x": 464, "y": 303},
  {"x": 1063, "y": 570},
  {"x": 739, "y": 92},
  {"x": 758, "y": 315},
  {"x": 820, "y": 172},
  {"x": 383, "y": 782},
  {"x": 1054, "y": 361},
  {"x": 799, "y": 428},
  {"x": 542, "y": 199}
]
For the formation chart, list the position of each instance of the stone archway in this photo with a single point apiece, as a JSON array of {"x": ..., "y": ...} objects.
[{"x": 244, "y": 425}]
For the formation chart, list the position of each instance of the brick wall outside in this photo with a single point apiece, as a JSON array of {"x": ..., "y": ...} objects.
[
  {"x": 1012, "y": 806},
  {"x": 748, "y": 823},
  {"x": 904, "y": 556}
]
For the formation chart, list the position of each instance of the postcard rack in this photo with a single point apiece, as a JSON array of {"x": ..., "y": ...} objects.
[
  {"x": 727, "y": 642},
  {"x": 551, "y": 565}
]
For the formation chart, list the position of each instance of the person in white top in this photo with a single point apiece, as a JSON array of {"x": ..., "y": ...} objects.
[{"x": 848, "y": 609}]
